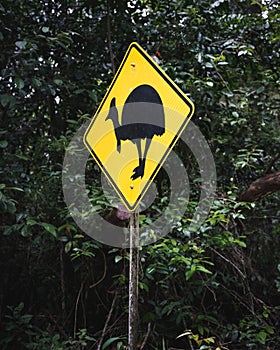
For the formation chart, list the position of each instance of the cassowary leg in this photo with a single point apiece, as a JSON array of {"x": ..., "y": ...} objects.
[
  {"x": 147, "y": 146},
  {"x": 119, "y": 146},
  {"x": 139, "y": 170}
]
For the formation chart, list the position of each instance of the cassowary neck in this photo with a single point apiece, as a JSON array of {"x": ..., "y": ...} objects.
[{"x": 115, "y": 118}]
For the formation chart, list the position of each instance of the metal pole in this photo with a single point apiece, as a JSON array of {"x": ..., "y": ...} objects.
[{"x": 133, "y": 282}]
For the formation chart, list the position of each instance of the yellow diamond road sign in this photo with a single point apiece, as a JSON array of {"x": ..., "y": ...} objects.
[{"x": 136, "y": 125}]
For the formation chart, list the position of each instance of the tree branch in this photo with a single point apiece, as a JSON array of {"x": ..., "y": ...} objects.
[{"x": 261, "y": 187}]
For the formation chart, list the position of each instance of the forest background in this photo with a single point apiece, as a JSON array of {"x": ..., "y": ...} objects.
[{"x": 217, "y": 287}]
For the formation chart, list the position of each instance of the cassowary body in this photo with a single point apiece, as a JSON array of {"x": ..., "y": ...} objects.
[{"x": 142, "y": 118}]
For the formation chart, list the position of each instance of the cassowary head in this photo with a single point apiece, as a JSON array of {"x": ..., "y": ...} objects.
[{"x": 113, "y": 112}]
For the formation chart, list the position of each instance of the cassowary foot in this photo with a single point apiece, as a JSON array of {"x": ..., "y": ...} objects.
[{"x": 138, "y": 172}]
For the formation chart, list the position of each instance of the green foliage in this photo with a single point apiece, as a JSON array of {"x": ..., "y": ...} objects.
[
  {"x": 255, "y": 333},
  {"x": 17, "y": 327},
  {"x": 20, "y": 332},
  {"x": 202, "y": 343},
  {"x": 109, "y": 341}
]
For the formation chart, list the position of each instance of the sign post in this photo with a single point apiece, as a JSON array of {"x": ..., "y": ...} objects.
[{"x": 133, "y": 281}]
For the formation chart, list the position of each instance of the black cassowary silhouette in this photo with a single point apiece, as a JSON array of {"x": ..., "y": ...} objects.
[{"x": 142, "y": 118}]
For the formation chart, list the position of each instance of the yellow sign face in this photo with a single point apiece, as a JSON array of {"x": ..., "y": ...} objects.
[{"x": 136, "y": 125}]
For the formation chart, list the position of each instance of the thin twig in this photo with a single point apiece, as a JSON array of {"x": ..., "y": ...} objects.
[
  {"x": 62, "y": 284},
  {"x": 116, "y": 321},
  {"x": 190, "y": 342},
  {"x": 84, "y": 311},
  {"x": 238, "y": 297},
  {"x": 227, "y": 260},
  {"x": 146, "y": 336},
  {"x": 104, "y": 273},
  {"x": 61, "y": 330},
  {"x": 76, "y": 310},
  {"x": 107, "y": 321}
]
